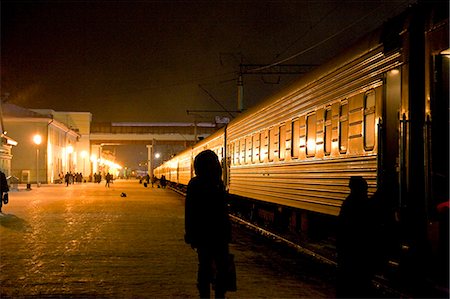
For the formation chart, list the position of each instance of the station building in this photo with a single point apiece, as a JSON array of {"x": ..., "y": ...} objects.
[{"x": 48, "y": 143}]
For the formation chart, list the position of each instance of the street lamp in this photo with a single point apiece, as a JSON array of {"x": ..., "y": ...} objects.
[{"x": 37, "y": 139}]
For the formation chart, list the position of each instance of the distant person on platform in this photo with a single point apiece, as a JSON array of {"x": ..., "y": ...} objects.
[
  {"x": 108, "y": 179},
  {"x": 207, "y": 223},
  {"x": 163, "y": 181},
  {"x": 67, "y": 179},
  {"x": 354, "y": 243},
  {"x": 4, "y": 190}
]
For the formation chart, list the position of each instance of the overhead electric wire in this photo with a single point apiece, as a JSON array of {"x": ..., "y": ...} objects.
[{"x": 319, "y": 43}]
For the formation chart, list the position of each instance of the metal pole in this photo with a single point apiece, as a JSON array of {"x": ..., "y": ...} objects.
[{"x": 37, "y": 167}]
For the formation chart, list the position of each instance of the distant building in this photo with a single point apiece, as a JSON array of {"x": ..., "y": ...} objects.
[{"x": 56, "y": 153}]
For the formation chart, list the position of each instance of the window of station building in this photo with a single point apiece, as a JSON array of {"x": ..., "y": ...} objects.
[
  {"x": 369, "y": 120},
  {"x": 295, "y": 138},
  {"x": 311, "y": 135},
  {"x": 328, "y": 131},
  {"x": 256, "y": 147},
  {"x": 343, "y": 127},
  {"x": 274, "y": 143}
]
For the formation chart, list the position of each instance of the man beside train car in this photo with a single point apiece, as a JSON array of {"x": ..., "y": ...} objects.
[{"x": 207, "y": 224}]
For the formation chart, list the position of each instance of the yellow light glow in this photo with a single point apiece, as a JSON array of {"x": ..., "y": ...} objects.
[
  {"x": 37, "y": 139},
  {"x": 83, "y": 154},
  {"x": 69, "y": 149}
]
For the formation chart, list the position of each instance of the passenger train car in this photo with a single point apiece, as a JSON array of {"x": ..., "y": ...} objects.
[{"x": 379, "y": 110}]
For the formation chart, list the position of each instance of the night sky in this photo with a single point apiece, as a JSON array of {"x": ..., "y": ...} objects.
[{"x": 144, "y": 60}]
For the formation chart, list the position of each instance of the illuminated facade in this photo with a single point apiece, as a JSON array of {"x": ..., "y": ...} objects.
[{"x": 46, "y": 147}]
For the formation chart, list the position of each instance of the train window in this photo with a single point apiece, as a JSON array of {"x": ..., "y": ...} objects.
[
  {"x": 328, "y": 131},
  {"x": 369, "y": 121},
  {"x": 295, "y": 143},
  {"x": 249, "y": 148},
  {"x": 264, "y": 145},
  {"x": 236, "y": 152},
  {"x": 343, "y": 127},
  {"x": 311, "y": 135},
  {"x": 256, "y": 147},
  {"x": 320, "y": 121},
  {"x": 273, "y": 143},
  {"x": 282, "y": 142},
  {"x": 242, "y": 157}
]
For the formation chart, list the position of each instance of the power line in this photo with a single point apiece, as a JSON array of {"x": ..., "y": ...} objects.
[{"x": 317, "y": 44}]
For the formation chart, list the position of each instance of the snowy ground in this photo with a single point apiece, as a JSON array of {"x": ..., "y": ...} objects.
[{"x": 87, "y": 241}]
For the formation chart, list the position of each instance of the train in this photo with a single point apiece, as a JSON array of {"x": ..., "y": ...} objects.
[{"x": 379, "y": 110}]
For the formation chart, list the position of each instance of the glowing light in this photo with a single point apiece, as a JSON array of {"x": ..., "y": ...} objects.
[
  {"x": 157, "y": 155},
  {"x": 83, "y": 154},
  {"x": 69, "y": 149},
  {"x": 395, "y": 72},
  {"x": 37, "y": 139}
]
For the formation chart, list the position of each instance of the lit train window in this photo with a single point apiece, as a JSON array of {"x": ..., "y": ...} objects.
[
  {"x": 369, "y": 121},
  {"x": 343, "y": 127},
  {"x": 273, "y": 143},
  {"x": 282, "y": 139},
  {"x": 236, "y": 152},
  {"x": 242, "y": 145},
  {"x": 295, "y": 144},
  {"x": 311, "y": 135},
  {"x": 264, "y": 145},
  {"x": 328, "y": 131},
  {"x": 256, "y": 147},
  {"x": 249, "y": 148}
]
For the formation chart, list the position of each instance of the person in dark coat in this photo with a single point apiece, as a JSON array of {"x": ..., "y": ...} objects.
[
  {"x": 354, "y": 243},
  {"x": 3, "y": 189},
  {"x": 207, "y": 224},
  {"x": 67, "y": 179}
]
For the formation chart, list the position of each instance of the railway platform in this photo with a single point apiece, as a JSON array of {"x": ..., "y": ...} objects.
[{"x": 126, "y": 241}]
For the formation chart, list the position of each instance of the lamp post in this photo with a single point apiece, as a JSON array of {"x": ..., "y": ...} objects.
[{"x": 37, "y": 139}]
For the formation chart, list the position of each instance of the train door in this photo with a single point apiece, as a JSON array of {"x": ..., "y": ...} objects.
[{"x": 391, "y": 151}]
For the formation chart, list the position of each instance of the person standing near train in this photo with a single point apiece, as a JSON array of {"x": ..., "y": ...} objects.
[
  {"x": 207, "y": 224},
  {"x": 354, "y": 243}
]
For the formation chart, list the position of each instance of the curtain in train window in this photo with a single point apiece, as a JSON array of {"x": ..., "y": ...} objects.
[
  {"x": 328, "y": 131},
  {"x": 369, "y": 121},
  {"x": 311, "y": 135},
  {"x": 295, "y": 143},
  {"x": 343, "y": 127}
]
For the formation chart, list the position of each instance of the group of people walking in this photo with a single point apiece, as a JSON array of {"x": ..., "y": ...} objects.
[{"x": 71, "y": 178}]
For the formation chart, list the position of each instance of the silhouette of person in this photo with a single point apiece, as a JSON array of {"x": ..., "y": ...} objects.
[
  {"x": 3, "y": 189},
  {"x": 108, "y": 179},
  {"x": 67, "y": 179},
  {"x": 163, "y": 182},
  {"x": 353, "y": 243},
  {"x": 207, "y": 225}
]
